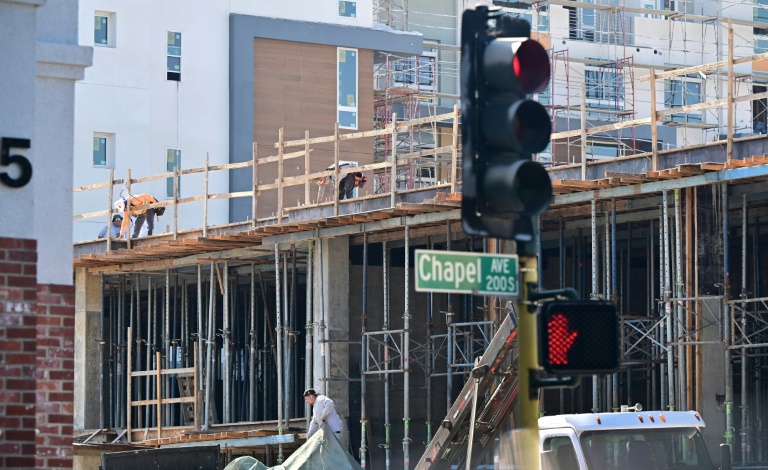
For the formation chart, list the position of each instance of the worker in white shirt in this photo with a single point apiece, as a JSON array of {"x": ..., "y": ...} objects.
[{"x": 323, "y": 411}]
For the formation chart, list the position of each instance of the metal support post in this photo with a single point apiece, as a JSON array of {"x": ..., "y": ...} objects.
[
  {"x": 726, "y": 322},
  {"x": 209, "y": 359},
  {"x": 387, "y": 425},
  {"x": 745, "y": 415},
  {"x": 279, "y": 331},
  {"x": 406, "y": 358},
  {"x": 680, "y": 332},
  {"x": 614, "y": 291},
  {"x": 227, "y": 392},
  {"x": 594, "y": 295},
  {"x": 668, "y": 304},
  {"x": 310, "y": 326},
  {"x": 253, "y": 383},
  {"x": 364, "y": 355}
]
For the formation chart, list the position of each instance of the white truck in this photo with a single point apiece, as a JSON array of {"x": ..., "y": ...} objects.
[{"x": 626, "y": 440}]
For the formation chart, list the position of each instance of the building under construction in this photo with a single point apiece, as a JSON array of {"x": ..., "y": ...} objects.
[{"x": 210, "y": 335}]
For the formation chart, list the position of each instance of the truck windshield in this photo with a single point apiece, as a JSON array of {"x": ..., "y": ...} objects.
[{"x": 680, "y": 448}]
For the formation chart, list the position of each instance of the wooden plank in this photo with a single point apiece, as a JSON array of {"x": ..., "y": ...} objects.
[
  {"x": 627, "y": 176},
  {"x": 575, "y": 184},
  {"x": 88, "y": 187}
]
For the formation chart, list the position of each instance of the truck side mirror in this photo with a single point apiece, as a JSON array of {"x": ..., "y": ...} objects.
[{"x": 725, "y": 457}]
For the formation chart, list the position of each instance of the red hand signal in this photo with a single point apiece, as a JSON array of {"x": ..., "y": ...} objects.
[{"x": 561, "y": 338}]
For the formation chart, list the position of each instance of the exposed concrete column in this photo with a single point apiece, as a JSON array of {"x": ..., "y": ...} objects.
[
  {"x": 331, "y": 315},
  {"x": 87, "y": 328}
]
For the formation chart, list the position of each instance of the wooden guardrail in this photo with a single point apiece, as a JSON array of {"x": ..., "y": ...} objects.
[
  {"x": 158, "y": 401},
  {"x": 284, "y": 181}
]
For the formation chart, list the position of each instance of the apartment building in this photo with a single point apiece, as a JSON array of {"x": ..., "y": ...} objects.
[{"x": 173, "y": 85}]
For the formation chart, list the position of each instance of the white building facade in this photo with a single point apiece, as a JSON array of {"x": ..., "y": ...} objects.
[{"x": 160, "y": 93}]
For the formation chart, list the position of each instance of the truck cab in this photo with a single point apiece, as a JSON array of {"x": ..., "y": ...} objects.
[{"x": 624, "y": 441}]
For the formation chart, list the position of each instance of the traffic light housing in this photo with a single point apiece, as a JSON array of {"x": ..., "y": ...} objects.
[
  {"x": 502, "y": 189},
  {"x": 578, "y": 337}
]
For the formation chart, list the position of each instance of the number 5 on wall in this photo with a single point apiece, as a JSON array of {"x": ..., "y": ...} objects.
[{"x": 6, "y": 159}]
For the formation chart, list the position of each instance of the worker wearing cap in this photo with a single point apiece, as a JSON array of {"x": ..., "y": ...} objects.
[
  {"x": 323, "y": 411},
  {"x": 113, "y": 229}
]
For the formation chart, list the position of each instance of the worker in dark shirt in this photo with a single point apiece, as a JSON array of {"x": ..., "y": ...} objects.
[{"x": 348, "y": 184}]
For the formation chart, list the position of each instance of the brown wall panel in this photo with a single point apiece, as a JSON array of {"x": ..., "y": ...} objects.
[{"x": 295, "y": 88}]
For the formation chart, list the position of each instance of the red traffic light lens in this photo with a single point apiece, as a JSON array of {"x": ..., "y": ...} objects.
[
  {"x": 531, "y": 67},
  {"x": 517, "y": 65}
]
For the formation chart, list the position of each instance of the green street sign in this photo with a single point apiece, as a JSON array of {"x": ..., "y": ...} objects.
[{"x": 466, "y": 273}]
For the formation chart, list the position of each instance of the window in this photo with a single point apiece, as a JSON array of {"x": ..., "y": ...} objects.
[
  {"x": 172, "y": 160},
  {"x": 104, "y": 29},
  {"x": 347, "y": 88},
  {"x": 683, "y": 92},
  {"x": 174, "y": 56},
  {"x": 761, "y": 11},
  {"x": 417, "y": 72},
  {"x": 605, "y": 87},
  {"x": 103, "y": 150},
  {"x": 602, "y": 150},
  {"x": 651, "y": 448},
  {"x": 563, "y": 453},
  {"x": 347, "y": 8}
]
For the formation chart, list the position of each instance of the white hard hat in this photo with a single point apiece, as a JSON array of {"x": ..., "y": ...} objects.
[{"x": 120, "y": 205}]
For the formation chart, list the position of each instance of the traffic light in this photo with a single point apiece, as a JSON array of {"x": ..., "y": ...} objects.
[
  {"x": 578, "y": 337},
  {"x": 502, "y": 187}
]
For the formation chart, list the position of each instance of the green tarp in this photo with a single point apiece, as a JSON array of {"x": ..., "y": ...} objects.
[{"x": 323, "y": 451}]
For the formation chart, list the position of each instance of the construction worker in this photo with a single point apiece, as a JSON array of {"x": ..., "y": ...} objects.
[
  {"x": 112, "y": 229},
  {"x": 323, "y": 411},
  {"x": 141, "y": 214},
  {"x": 348, "y": 184}
]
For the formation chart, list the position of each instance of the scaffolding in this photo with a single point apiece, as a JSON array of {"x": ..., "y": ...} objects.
[{"x": 661, "y": 232}]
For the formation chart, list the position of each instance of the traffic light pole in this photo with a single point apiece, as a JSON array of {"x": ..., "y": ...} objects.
[{"x": 527, "y": 363}]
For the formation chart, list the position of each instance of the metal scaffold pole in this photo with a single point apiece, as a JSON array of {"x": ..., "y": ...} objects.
[
  {"x": 364, "y": 355},
  {"x": 595, "y": 393},
  {"x": 279, "y": 331},
  {"x": 680, "y": 322},
  {"x": 668, "y": 305},
  {"x": 449, "y": 339},
  {"x": 387, "y": 425},
  {"x": 745, "y": 425},
  {"x": 614, "y": 292},
  {"x": 226, "y": 345},
  {"x": 167, "y": 345},
  {"x": 253, "y": 384},
  {"x": 726, "y": 321},
  {"x": 663, "y": 395},
  {"x": 211, "y": 344},
  {"x": 406, "y": 364},
  {"x": 310, "y": 326}
]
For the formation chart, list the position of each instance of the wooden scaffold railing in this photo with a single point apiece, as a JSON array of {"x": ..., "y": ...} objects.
[{"x": 283, "y": 181}]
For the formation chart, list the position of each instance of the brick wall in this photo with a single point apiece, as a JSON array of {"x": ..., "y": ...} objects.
[
  {"x": 37, "y": 329},
  {"x": 55, "y": 375},
  {"x": 18, "y": 292}
]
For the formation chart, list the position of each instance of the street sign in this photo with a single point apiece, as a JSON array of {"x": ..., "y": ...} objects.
[{"x": 466, "y": 273}]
